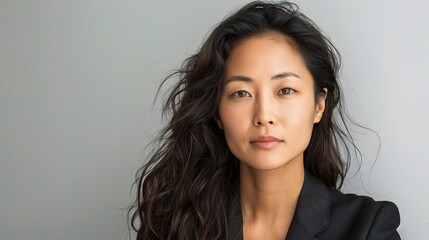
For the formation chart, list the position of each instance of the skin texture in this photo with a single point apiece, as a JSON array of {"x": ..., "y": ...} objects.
[{"x": 268, "y": 91}]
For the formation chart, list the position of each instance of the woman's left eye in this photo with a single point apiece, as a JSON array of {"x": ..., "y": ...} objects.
[{"x": 286, "y": 91}]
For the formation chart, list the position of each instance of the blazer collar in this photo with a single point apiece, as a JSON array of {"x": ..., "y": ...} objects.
[
  {"x": 312, "y": 211},
  {"x": 311, "y": 214}
]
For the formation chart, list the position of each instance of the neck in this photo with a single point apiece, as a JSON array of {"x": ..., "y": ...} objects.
[{"x": 270, "y": 196}]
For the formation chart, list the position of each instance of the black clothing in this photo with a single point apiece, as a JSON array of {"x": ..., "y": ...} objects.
[{"x": 328, "y": 214}]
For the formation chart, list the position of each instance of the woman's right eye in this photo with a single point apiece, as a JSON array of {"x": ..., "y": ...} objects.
[{"x": 241, "y": 94}]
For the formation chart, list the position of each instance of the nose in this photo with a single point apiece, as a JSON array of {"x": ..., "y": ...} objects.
[
  {"x": 264, "y": 112},
  {"x": 262, "y": 123}
]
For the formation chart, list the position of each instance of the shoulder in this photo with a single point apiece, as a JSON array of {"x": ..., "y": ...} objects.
[
  {"x": 361, "y": 215},
  {"x": 331, "y": 214},
  {"x": 326, "y": 213}
]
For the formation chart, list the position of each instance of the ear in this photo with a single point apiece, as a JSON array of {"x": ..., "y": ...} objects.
[
  {"x": 320, "y": 106},
  {"x": 219, "y": 123}
]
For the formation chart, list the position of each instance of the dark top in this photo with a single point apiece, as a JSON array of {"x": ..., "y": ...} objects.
[{"x": 324, "y": 213}]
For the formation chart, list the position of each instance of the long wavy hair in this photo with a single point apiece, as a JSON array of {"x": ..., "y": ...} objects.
[{"x": 188, "y": 183}]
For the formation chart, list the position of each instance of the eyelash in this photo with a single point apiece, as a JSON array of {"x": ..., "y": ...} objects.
[
  {"x": 247, "y": 94},
  {"x": 290, "y": 91},
  {"x": 237, "y": 93}
]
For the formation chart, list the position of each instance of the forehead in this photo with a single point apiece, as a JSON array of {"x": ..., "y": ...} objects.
[{"x": 265, "y": 55}]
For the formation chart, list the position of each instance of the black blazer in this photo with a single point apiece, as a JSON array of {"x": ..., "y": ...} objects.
[{"x": 324, "y": 213}]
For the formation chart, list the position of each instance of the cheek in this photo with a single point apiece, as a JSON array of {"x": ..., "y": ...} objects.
[
  {"x": 299, "y": 113},
  {"x": 235, "y": 125},
  {"x": 301, "y": 117},
  {"x": 298, "y": 122},
  {"x": 232, "y": 113},
  {"x": 231, "y": 120}
]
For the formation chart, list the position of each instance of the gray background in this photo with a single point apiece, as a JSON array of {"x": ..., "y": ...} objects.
[{"x": 77, "y": 80}]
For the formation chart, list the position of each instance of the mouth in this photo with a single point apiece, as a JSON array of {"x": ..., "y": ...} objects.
[{"x": 265, "y": 142}]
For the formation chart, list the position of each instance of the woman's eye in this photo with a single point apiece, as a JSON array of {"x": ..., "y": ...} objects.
[
  {"x": 241, "y": 94},
  {"x": 286, "y": 91}
]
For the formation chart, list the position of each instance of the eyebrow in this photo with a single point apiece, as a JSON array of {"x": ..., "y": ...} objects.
[{"x": 241, "y": 78}]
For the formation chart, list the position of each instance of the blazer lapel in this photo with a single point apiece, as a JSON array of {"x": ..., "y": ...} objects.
[
  {"x": 312, "y": 211},
  {"x": 311, "y": 214},
  {"x": 235, "y": 223}
]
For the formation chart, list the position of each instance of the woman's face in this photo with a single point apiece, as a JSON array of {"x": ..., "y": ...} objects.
[{"x": 267, "y": 107}]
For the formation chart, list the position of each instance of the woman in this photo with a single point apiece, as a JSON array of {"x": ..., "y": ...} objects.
[{"x": 252, "y": 148}]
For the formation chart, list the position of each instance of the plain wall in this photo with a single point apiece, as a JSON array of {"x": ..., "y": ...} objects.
[{"x": 77, "y": 80}]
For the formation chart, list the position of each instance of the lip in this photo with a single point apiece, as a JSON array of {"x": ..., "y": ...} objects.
[{"x": 265, "y": 142}]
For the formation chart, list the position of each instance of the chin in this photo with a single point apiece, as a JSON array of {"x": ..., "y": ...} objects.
[
  {"x": 273, "y": 162},
  {"x": 265, "y": 165}
]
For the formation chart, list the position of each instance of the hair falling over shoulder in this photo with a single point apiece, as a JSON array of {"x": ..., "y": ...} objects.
[{"x": 188, "y": 183}]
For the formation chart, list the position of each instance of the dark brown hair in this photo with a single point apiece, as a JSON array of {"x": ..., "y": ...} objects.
[{"x": 187, "y": 185}]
